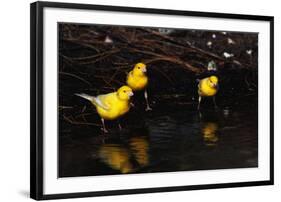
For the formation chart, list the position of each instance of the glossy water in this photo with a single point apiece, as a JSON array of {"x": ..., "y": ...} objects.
[{"x": 167, "y": 139}]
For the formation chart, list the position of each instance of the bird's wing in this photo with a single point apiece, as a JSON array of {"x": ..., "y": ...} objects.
[
  {"x": 129, "y": 75},
  {"x": 200, "y": 86},
  {"x": 101, "y": 101}
]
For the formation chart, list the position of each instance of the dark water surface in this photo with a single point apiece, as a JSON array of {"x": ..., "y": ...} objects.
[{"x": 169, "y": 138}]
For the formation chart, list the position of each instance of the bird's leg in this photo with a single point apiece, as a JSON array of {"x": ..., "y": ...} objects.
[
  {"x": 198, "y": 107},
  {"x": 148, "y": 108},
  {"x": 199, "y": 102},
  {"x": 215, "y": 104},
  {"x": 120, "y": 127},
  {"x": 103, "y": 126},
  {"x": 200, "y": 115}
]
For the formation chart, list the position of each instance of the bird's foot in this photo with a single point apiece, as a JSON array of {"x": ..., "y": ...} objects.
[
  {"x": 200, "y": 115},
  {"x": 104, "y": 130},
  {"x": 148, "y": 108},
  {"x": 132, "y": 104}
]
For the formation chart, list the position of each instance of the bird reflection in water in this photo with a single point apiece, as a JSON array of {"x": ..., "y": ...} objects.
[
  {"x": 209, "y": 131},
  {"x": 126, "y": 157},
  {"x": 139, "y": 148},
  {"x": 117, "y": 157}
]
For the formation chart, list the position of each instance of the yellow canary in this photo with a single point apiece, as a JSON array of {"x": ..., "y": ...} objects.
[
  {"x": 208, "y": 87},
  {"x": 138, "y": 80},
  {"x": 112, "y": 105}
]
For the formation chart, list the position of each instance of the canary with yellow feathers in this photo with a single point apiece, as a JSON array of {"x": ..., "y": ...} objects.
[
  {"x": 138, "y": 80},
  {"x": 112, "y": 105},
  {"x": 208, "y": 87}
]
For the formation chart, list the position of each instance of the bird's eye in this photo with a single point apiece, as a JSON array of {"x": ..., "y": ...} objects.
[
  {"x": 138, "y": 67},
  {"x": 124, "y": 91}
]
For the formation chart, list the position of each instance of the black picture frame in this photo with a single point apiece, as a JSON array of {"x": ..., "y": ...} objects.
[{"x": 36, "y": 103}]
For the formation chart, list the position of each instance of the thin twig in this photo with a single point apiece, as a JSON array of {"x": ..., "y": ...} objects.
[
  {"x": 77, "y": 77},
  {"x": 79, "y": 123}
]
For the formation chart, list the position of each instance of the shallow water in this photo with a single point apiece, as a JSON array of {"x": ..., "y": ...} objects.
[{"x": 166, "y": 139}]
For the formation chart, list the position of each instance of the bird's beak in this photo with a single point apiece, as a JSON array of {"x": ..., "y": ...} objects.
[
  {"x": 215, "y": 85},
  {"x": 144, "y": 70},
  {"x": 130, "y": 94}
]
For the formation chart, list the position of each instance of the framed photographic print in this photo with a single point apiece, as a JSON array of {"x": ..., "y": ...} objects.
[{"x": 135, "y": 100}]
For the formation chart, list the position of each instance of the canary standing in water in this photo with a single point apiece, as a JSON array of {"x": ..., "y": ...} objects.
[
  {"x": 112, "y": 105},
  {"x": 208, "y": 87},
  {"x": 138, "y": 80}
]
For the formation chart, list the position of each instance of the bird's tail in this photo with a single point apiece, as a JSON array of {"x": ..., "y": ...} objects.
[{"x": 85, "y": 96}]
